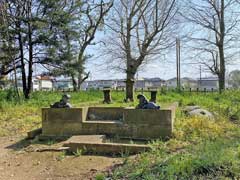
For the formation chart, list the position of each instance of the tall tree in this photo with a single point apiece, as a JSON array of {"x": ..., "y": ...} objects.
[
  {"x": 62, "y": 44},
  {"x": 91, "y": 20},
  {"x": 215, "y": 23},
  {"x": 7, "y": 47},
  {"x": 23, "y": 18},
  {"x": 141, "y": 29},
  {"x": 82, "y": 21},
  {"x": 54, "y": 34}
]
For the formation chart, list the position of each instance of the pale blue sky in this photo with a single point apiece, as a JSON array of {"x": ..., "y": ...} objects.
[{"x": 164, "y": 68}]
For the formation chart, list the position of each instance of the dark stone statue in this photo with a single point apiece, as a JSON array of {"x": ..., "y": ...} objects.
[
  {"x": 63, "y": 103},
  {"x": 144, "y": 104}
]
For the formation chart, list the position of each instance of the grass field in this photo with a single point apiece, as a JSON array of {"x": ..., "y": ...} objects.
[{"x": 199, "y": 148}]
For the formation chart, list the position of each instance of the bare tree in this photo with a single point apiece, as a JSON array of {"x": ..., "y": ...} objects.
[
  {"x": 91, "y": 20},
  {"x": 141, "y": 30},
  {"x": 214, "y": 23}
]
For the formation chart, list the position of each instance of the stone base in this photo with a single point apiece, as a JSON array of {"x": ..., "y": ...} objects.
[
  {"x": 122, "y": 122},
  {"x": 32, "y": 134},
  {"x": 96, "y": 144}
]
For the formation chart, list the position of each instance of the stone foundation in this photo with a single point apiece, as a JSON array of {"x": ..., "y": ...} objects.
[
  {"x": 122, "y": 122},
  {"x": 95, "y": 144}
]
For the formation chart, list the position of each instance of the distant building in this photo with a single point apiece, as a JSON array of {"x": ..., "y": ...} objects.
[
  {"x": 208, "y": 83},
  {"x": 121, "y": 84},
  {"x": 171, "y": 83},
  {"x": 39, "y": 83},
  {"x": 147, "y": 83},
  {"x": 185, "y": 83},
  {"x": 100, "y": 84},
  {"x": 63, "y": 83},
  {"x": 35, "y": 85},
  {"x": 84, "y": 85},
  {"x": 48, "y": 83},
  {"x": 189, "y": 83},
  {"x": 43, "y": 83}
]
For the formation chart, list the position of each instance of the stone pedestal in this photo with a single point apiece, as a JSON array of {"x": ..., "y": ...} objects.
[
  {"x": 114, "y": 121},
  {"x": 153, "y": 96},
  {"x": 107, "y": 96}
]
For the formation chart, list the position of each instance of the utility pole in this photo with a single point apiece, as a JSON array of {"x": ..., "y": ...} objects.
[
  {"x": 200, "y": 74},
  {"x": 178, "y": 58}
]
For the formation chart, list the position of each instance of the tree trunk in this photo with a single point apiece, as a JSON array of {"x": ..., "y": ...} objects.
[
  {"x": 80, "y": 69},
  {"x": 129, "y": 87},
  {"x": 30, "y": 63},
  {"x": 79, "y": 80},
  {"x": 23, "y": 72},
  {"x": 222, "y": 70},
  {"x": 220, "y": 84},
  {"x": 221, "y": 49},
  {"x": 75, "y": 88},
  {"x": 82, "y": 79}
]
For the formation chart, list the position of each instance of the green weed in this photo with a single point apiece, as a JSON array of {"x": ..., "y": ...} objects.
[
  {"x": 78, "y": 153},
  {"x": 199, "y": 149},
  {"x": 100, "y": 176},
  {"x": 61, "y": 156}
]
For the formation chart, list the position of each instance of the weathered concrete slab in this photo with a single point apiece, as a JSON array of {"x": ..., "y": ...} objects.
[
  {"x": 62, "y": 114},
  {"x": 103, "y": 127},
  {"x": 86, "y": 139},
  {"x": 61, "y": 128},
  {"x": 62, "y": 121},
  {"x": 32, "y": 134},
  {"x": 151, "y": 132},
  {"x": 104, "y": 113},
  {"x": 95, "y": 144},
  {"x": 148, "y": 116},
  {"x": 123, "y": 122}
]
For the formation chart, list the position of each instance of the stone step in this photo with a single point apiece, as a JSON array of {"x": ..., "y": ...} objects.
[
  {"x": 103, "y": 121},
  {"x": 96, "y": 144},
  {"x": 32, "y": 134}
]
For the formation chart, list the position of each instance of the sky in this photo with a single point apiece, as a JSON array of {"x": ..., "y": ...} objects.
[{"x": 164, "y": 68}]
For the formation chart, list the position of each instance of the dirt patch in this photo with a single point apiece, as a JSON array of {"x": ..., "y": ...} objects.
[{"x": 19, "y": 161}]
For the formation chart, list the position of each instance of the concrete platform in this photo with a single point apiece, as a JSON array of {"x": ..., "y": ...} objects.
[
  {"x": 98, "y": 144},
  {"x": 117, "y": 121}
]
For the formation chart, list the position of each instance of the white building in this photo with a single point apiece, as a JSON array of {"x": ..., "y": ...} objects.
[
  {"x": 147, "y": 83},
  {"x": 63, "y": 83},
  {"x": 39, "y": 83},
  {"x": 36, "y": 85},
  {"x": 101, "y": 84},
  {"x": 171, "y": 83},
  {"x": 45, "y": 83},
  {"x": 121, "y": 84},
  {"x": 185, "y": 83},
  {"x": 84, "y": 85},
  {"x": 208, "y": 83}
]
